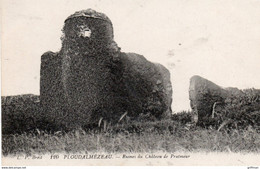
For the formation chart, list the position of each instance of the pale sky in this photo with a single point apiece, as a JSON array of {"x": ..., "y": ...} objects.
[{"x": 216, "y": 39}]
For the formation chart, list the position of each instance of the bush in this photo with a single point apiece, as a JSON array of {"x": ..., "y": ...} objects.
[
  {"x": 183, "y": 117},
  {"x": 238, "y": 111}
]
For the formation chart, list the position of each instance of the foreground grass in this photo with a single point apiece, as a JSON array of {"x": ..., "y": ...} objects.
[{"x": 163, "y": 136}]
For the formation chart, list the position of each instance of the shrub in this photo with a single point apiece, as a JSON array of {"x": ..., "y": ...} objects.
[{"x": 238, "y": 111}]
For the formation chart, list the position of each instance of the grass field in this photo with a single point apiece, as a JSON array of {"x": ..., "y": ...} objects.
[{"x": 171, "y": 135}]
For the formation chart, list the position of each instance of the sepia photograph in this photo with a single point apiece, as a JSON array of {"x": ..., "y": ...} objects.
[{"x": 130, "y": 83}]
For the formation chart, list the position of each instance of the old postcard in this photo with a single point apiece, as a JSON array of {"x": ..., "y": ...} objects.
[{"x": 95, "y": 82}]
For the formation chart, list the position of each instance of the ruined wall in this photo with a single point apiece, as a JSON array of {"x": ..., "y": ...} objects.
[
  {"x": 212, "y": 104},
  {"x": 90, "y": 78}
]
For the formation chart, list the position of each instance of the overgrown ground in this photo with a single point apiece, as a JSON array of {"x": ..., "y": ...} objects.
[{"x": 171, "y": 135}]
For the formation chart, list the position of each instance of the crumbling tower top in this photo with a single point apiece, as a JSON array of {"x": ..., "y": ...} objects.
[{"x": 90, "y": 13}]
